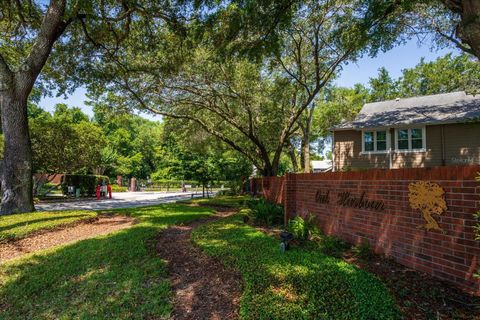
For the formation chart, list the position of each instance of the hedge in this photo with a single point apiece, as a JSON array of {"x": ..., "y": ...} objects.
[
  {"x": 161, "y": 183},
  {"x": 86, "y": 183},
  {"x": 117, "y": 188}
]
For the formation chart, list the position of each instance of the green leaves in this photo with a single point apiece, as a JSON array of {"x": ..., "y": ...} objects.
[
  {"x": 65, "y": 142},
  {"x": 445, "y": 74},
  {"x": 265, "y": 213}
]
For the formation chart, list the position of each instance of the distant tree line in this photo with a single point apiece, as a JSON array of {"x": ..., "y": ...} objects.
[{"x": 113, "y": 143}]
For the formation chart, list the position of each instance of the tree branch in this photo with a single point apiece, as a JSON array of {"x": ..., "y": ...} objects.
[
  {"x": 4, "y": 68},
  {"x": 208, "y": 129},
  {"x": 51, "y": 29}
]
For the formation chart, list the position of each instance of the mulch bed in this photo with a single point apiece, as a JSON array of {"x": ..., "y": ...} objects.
[
  {"x": 203, "y": 287},
  {"x": 62, "y": 235},
  {"x": 419, "y": 295}
]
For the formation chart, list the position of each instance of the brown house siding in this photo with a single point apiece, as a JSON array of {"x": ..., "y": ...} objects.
[
  {"x": 461, "y": 147},
  {"x": 462, "y": 144}
]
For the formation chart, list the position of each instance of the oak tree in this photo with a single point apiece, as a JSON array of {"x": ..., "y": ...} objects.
[{"x": 51, "y": 44}]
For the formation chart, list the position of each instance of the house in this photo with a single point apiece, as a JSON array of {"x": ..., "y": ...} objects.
[
  {"x": 321, "y": 165},
  {"x": 427, "y": 131}
]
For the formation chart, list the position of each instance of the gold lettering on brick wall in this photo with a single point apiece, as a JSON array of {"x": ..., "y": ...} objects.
[{"x": 428, "y": 197}]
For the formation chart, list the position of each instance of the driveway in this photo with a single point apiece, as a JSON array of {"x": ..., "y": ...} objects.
[{"x": 119, "y": 200}]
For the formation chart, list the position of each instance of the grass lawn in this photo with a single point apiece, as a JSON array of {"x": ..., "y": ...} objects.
[
  {"x": 221, "y": 201},
  {"x": 298, "y": 284},
  {"x": 21, "y": 225},
  {"x": 117, "y": 276}
]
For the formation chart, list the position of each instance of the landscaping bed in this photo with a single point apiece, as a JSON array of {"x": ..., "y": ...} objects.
[
  {"x": 298, "y": 284},
  {"x": 418, "y": 295}
]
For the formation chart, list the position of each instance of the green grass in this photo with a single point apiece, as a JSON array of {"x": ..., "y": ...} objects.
[
  {"x": 17, "y": 226},
  {"x": 117, "y": 276},
  {"x": 221, "y": 201},
  {"x": 298, "y": 284}
]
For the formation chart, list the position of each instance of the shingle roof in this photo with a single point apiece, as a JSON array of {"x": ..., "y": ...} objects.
[{"x": 452, "y": 107}]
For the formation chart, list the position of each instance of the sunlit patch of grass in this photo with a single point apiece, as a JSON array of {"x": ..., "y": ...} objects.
[
  {"x": 221, "y": 201},
  {"x": 114, "y": 276},
  {"x": 299, "y": 284},
  {"x": 21, "y": 225}
]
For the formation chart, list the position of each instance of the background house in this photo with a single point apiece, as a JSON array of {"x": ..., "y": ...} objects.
[{"x": 425, "y": 131}]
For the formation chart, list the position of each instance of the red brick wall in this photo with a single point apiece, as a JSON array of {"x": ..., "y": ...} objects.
[
  {"x": 52, "y": 178},
  {"x": 395, "y": 231}
]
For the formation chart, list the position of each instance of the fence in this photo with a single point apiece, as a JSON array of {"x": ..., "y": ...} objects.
[{"x": 421, "y": 217}]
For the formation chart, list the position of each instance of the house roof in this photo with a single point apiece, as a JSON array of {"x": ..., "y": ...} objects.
[{"x": 455, "y": 107}]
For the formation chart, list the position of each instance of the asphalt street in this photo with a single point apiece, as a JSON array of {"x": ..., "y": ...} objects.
[{"x": 119, "y": 200}]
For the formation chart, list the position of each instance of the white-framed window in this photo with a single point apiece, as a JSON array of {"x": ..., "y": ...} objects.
[
  {"x": 375, "y": 141},
  {"x": 410, "y": 139}
]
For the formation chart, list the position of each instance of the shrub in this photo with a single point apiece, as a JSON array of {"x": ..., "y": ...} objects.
[
  {"x": 264, "y": 212},
  {"x": 363, "y": 250},
  {"x": 304, "y": 229},
  {"x": 246, "y": 214},
  {"x": 86, "y": 183},
  {"x": 234, "y": 188},
  {"x": 117, "y": 188},
  {"x": 228, "y": 193}
]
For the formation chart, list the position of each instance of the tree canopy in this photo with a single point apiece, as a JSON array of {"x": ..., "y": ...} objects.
[{"x": 221, "y": 67}]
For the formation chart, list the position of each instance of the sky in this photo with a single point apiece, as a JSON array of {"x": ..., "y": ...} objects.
[{"x": 401, "y": 57}]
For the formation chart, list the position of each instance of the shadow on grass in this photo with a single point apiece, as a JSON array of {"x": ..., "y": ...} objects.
[
  {"x": 117, "y": 276},
  {"x": 298, "y": 284},
  {"x": 41, "y": 220}
]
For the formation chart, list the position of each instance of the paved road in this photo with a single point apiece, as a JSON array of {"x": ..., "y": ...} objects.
[{"x": 119, "y": 200}]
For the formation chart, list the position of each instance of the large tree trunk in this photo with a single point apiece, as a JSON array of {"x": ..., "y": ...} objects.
[
  {"x": 268, "y": 170},
  {"x": 16, "y": 178},
  {"x": 468, "y": 30},
  {"x": 15, "y": 87}
]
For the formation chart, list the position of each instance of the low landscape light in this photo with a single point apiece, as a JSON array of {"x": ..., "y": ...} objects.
[{"x": 285, "y": 237}]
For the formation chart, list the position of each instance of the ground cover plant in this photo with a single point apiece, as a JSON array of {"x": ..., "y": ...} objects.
[
  {"x": 116, "y": 276},
  {"x": 17, "y": 226},
  {"x": 299, "y": 284}
]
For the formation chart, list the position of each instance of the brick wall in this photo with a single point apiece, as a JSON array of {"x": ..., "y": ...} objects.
[
  {"x": 391, "y": 226},
  {"x": 52, "y": 178}
]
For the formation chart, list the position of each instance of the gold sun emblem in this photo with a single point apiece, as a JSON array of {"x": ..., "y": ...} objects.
[{"x": 428, "y": 197}]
